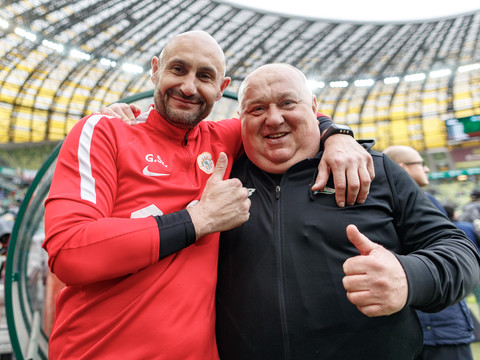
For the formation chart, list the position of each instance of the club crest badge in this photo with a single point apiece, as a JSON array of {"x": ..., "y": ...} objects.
[
  {"x": 205, "y": 162},
  {"x": 326, "y": 190}
]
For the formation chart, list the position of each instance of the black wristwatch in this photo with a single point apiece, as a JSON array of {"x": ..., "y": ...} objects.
[{"x": 336, "y": 129}]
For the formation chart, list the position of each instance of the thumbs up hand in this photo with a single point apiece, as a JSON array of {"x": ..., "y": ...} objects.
[
  {"x": 375, "y": 280},
  {"x": 224, "y": 204}
]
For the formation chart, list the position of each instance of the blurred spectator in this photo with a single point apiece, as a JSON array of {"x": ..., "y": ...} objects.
[
  {"x": 466, "y": 226},
  {"x": 471, "y": 211},
  {"x": 6, "y": 226},
  {"x": 469, "y": 230}
]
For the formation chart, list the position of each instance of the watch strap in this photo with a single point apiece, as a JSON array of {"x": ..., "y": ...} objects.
[{"x": 336, "y": 129}]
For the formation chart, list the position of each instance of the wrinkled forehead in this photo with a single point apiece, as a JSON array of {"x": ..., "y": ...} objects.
[{"x": 273, "y": 83}]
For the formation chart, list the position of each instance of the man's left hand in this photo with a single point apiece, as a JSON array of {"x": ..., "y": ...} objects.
[
  {"x": 350, "y": 164},
  {"x": 375, "y": 280},
  {"x": 125, "y": 112}
]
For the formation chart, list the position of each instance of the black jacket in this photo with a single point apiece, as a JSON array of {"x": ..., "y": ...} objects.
[{"x": 280, "y": 292}]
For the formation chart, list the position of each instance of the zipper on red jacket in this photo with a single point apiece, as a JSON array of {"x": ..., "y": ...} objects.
[
  {"x": 280, "y": 267},
  {"x": 189, "y": 159},
  {"x": 185, "y": 139}
]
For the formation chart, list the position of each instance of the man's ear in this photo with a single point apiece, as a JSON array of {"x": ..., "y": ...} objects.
[
  {"x": 314, "y": 104},
  {"x": 223, "y": 86},
  {"x": 153, "y": 77}
]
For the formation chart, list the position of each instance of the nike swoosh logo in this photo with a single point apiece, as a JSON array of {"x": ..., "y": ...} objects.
[{"x": 148, "y": 173}]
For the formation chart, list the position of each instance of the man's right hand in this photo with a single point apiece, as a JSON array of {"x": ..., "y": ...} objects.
[
  {"x": 123, "y": 111},
  {"x": 224, "y": 204}
]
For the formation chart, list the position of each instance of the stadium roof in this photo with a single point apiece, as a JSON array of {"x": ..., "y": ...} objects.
[
  {"x": 365, "y": 11},
  {"x": 63, "y": 59}
]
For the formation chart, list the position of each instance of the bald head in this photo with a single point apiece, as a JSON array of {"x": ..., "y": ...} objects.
[
  {"x": 271, "y": 71},
  {"x": 402, "y": 153},
  {"x": 409, "y": 159},
  {"x": 197, "y": 39}
]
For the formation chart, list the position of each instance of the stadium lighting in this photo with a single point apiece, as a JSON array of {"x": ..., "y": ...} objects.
[
  {"x": 108, "y": 62},
  {"x": 364, "y": 82},
  {"x": 314, "y": 84},
  {"x": 55, "y": 46},
  {"x": 339, "y": 84},
  {"x": 25, "y": 34},
  {"x": 80, "y": 54},
  {"x": 415, "y": 77},
  {"x": 470, "y": 67},
  {"x": 132, "y": 68},
  {"x": 391, "y": 80},
  {"x": 3, "y": 23},
  {"x": 440, "y": 73}
]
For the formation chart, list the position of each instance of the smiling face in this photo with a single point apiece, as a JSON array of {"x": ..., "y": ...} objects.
[
  {"x": 188, "y": 78},
  {"x": 278, "y": 113}
]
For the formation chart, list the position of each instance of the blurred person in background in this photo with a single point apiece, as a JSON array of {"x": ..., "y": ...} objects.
[
  {"x": 465, "y": 226},
  {"x": 469, "y": 221},
  {"x": 412, "y": 162},
  {"x": 471, "y": 233},
  {"x": 471, "y": 211},
  {"x": 6, "y": 227},
  {"x": 448, "y": 333}
]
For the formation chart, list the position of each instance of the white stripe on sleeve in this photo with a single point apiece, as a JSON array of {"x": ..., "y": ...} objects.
[{"x": 87, "y": 182}]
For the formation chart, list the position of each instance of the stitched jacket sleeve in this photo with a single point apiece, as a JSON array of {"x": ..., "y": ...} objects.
[
  {"x": 441, "y": 264},
  {"x": 84, "y": 242}
]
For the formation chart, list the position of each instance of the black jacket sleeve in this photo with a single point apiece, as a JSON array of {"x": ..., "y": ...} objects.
[
  {"x": 441, "y": 264},
  {"x": 324, "y": 122}
]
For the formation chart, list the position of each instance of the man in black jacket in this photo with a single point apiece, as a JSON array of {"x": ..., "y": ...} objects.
[{"x": 305, "y": 279}]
